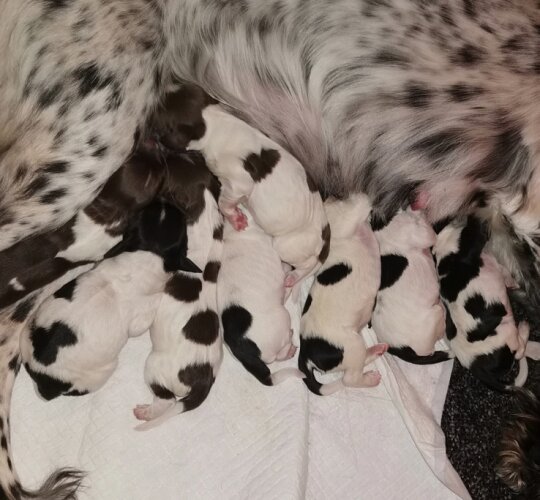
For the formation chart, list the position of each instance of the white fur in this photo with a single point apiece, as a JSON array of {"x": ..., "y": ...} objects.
[
  {"x": 340, "y": 311},
  {"x": 281, "y": 204},
  {"x": 410, "y": 312},
  {"x": 116, "y": 300}
]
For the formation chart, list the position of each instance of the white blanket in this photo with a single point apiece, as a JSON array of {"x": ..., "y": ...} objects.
[{"x": 247, "y": 441}]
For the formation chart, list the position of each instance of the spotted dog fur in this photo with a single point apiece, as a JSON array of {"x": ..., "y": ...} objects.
[{"x": 386, "y": 96}]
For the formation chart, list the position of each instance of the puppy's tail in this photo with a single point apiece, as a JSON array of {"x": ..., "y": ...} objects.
[
  {"x": 519, "y": 451},
  {"x": 311, "y": 382},
  {"x": 62, "y": 484},
  {"x": 408, "y": 354}
]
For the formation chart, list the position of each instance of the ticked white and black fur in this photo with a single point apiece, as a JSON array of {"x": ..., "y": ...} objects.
[
  {"x": 408, "y": 314},
  {"x": 480, "y": 325},
  {"x": 251, "y": 293},
  {"x": 341, "y": 300},
  {"x": 187, "y": 345}
]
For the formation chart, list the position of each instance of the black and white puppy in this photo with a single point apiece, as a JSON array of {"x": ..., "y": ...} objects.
[
  {"x": 340, "y": 302},
  {"x": 74, "y": 340},
  {"x": 40, "y": 259},
  {"x": 251, "y": 293},
  {"x": 480, "y": 326},
  {"x": 186, "y": 341},
  {"x": 409, "y": 314}
]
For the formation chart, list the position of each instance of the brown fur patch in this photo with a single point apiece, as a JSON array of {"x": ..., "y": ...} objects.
[{"x": 202, "y": 327}]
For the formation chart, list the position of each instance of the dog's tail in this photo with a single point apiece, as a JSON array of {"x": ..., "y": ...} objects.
[
  {"x": 408, "y": 354},
  {"x": 519, "y": 450},
  {"x": 311, "y": 382}
]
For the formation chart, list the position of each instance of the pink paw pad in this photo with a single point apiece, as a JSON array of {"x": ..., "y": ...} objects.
[
  {"x": 238, "y": 220},
  {"x": 378, "y": 349},
  {"x": 143, "y": 412},
  {"x": 372, "y": 378},
  {"x": 290, "y": 280}
]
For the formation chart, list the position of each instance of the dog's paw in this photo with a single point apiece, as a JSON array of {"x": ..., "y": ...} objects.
[
  {"x": 372, "y": 378},
  {"x": 238, "y": 220},
  {"x": 143, "y": 412}
]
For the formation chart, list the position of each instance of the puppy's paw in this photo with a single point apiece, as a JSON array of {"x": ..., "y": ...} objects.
[
  {"x": 378, "y": 349},
  {"x": 143, "y": 412},
  {"x": 290, "y": 279},
  {"x": 371, "y": 378}
]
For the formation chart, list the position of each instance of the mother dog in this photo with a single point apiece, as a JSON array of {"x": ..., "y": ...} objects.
[{"x": 395, "y": 98}]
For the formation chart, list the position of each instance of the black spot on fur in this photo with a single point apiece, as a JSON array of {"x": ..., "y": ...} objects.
[
  {"x": 183, "y": 287},
  {"x": 23, "y": 309},
  {"x": 100, "y": 152},
  {"x": 439, "y": 145},
  {"x": 494, "y": 367},
  {"x": 324, "y": 355},
  {"x": 47, "y": 342},
  {"x": 450, "y": 327},
  {"x": 3, "y": 442},
  {"x": 307, "y": 304},
  {"x": 47, "y": 386},
  {"x": 461, "y": 92},
  {"x": 161, "y": 392},
  {"x": 90, "y": 79},
  {"x": 38, "y": 184},
  {"x": 441, "y": 224},
  {"x": 14, "y": 363},
  {"x": 202, "y": 327},
  {"x": 200, "y": 377},
  {"x": 211, "y": 271},
  {"x": 53, "y": 5},
  {"x": 66, "y": 292},
  {"x": 390, "y": 57},
  {"x": 392, "y": 267},
  {"x": 51, "y": 197},
  {"x": 334, "y": 274},
  {"x": 218, "y": 233},
  {"x": 468, "y": 55},
  {"x": 49, "y": 95},
  {"x": 489, "y": 317},
  {"x": 261, "y": 165},
  {"x": 417, "y": 95},
  {"x": 377, "y": 221},
  {"x": 311, "y": 183},
  {"x": 326, "y": 234},
  {"x": 447, "y": 16},
  {"x": 469, "y": 8},
  {"x": 56, "y": 167}
]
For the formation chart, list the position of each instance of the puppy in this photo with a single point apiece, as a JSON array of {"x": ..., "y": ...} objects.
[
  {"x": 40, "y": 259},
  {"x": 72, "y": 345},
  {"x": 187, "y": 345},
  {"x": 409, "y": 314},
  {"x": 256, "y": 171},
  {"x": 340, "y": 302},
  {"x": 480, "y": 325},
  {"x": 256, "y": 325}
]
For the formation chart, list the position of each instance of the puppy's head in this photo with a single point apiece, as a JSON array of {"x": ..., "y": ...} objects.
[
  {"x": 408, "y": 229},
  {"x": 178, "y": 121}
]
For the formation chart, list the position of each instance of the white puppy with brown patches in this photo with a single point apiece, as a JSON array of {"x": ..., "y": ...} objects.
[
  {"x": 256, "y": 325},
  {"x": 340, "y": 302},
  {"x": 271, "y": 183},
  {"x": 409, "y": 314}
]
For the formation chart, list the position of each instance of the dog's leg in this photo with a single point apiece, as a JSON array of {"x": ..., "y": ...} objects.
[
  {"x": 149, "y": 412},
  {"x": 374, "y": 352}
]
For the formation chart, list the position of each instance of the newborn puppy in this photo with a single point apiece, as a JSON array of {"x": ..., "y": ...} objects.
[
  {"x": 341, "y": 300},
  {"x": 40, "y": 259},
  {"x": 480, "y": 325},
  {"x": 409, "y": 314},
  {"x": 256, "y": 171},
  {"x": 187, "y": 346},
  {"x": 73, "y": 342},
  {"x": 256, "y": 325}
]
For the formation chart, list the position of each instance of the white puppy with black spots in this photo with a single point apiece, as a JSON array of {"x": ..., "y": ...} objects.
[
  {"x": 74, "y": 340},
  {"x": 481, "y": 328},
  {"x": 187, "y": 346},
  {"x": 340, "y": 302},
  {"x": 408, "y": 314},
  {"x": 251, "y": 293}
]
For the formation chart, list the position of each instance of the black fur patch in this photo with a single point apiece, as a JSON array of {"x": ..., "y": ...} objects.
[
  {"x": 47, "y": 386},
  {"x": 489, "y": 316},
  {"x": 311, "y": 183},
  {"x": 183, "y": 287},
  {"x": 261, "y": 165},
  {"x": 326, "y": 234},
  {"x": 3, "y": 442},
  {"x": 49, "y": 95},
  {"x": 56, "y": 4},
  {"x": 67, "y": 291},
  {"x": 377, "y": 221},
  {"x": 23, "y": 309},
  {"x": 100, "y": 152},
  {"x": 211, "y": 271},
  {"x": 52, "y": 196},
  {"x": 439, "y": 145},
  {"x": 38, "y": 184},
  {"x": 14, "y": 363},
  {"x": 469, "y": 8},
  {"x": 417, "y": 95},
  {"x": 200, "y": 378},
  {"x": 47, "y": 342},
  {"x": 334, "y": 274},
  {"x": 161, "y": 392},
  {"x": 392, "y": 267},
  {"x": 56, "y": 167},
  {"x": 441, "y": 224},
  {"x": 202, "y": 327},
  {"x": 468, "y": 55},
  {"x": 91, "y": 79},
  {"x": 307, "y": 304},
  {"x": 390, "y": 57},
  {"x": 324, "y": 355},
  {"x": 218, "y": 233},
  {"x": 493, "y": 368},
  {"x": 461, "y": 92}
]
